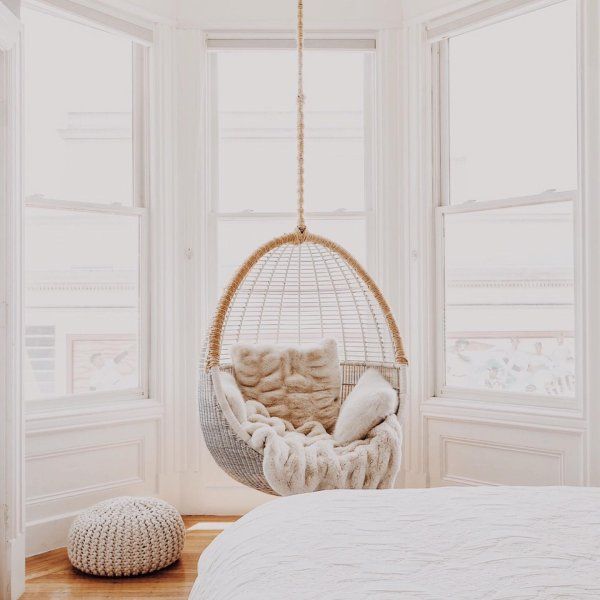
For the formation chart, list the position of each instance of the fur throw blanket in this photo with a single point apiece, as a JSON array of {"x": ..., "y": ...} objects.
[{"x": 307, "y": 459}]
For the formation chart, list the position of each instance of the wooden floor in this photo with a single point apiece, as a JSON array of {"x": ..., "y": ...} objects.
[{"x": 51, "y": 575}]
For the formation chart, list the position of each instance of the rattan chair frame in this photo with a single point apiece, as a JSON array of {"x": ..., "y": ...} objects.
[
  {"x": 325, "y": 281},
  {"x": 297, "y": 288}
]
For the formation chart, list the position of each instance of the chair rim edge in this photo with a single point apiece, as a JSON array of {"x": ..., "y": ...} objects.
[{"x": 213, "y": 355}]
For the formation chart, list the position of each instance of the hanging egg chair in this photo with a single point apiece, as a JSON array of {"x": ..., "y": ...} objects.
[{"x": 298, "y": 288}]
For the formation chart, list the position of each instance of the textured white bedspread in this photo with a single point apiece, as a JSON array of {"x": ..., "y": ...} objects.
[{"x": 488, "y": 543}]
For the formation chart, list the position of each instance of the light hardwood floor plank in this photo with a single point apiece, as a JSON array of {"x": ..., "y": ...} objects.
[{"x": 51, "y": 576}]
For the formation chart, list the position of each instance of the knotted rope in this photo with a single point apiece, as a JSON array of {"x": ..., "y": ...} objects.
[{"x": 300, "y": 117}]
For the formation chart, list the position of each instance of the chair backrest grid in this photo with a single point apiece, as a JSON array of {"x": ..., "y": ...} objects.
[{"x": 299, "y": 293}]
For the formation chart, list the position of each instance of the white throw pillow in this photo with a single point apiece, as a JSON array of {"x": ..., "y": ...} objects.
[
  {"x": 368, "y": 404},
  {"x": 234, "y": 396},
  {"x": 295, "y": 383}
]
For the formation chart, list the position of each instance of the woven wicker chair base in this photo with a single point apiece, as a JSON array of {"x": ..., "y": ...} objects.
[
  {"x": 126, "y": 536},
  {"x": 227, "y": 442}
]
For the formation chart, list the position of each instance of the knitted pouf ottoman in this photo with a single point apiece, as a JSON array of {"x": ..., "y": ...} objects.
[{"x": 126, "y": 536}]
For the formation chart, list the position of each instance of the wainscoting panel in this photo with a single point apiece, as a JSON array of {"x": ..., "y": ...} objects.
[
  {"x": 69, "y": 470},
  {"x": 477, "y": 453}
]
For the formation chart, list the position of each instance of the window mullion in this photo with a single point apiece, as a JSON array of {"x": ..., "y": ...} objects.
[
  {"x": 74, "y": 206},
  {"x": 140, "y": 125},
  {"x": 521, "y": 201}
]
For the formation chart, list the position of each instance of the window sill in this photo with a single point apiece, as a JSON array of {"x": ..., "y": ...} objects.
[
  {"x": 487, "y": 409},
  {"x": 43, "y": 415}
]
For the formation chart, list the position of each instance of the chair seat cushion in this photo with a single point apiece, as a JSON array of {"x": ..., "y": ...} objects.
[
  {"x": 295, "y": 383},
  {"x": 368, "y": 404}
]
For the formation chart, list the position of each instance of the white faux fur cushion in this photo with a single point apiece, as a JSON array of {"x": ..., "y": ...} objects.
[
  {"x": 234, "y": 396},
  {"x": 297, "y": 384},
  {"x": 368, "y": 404}
]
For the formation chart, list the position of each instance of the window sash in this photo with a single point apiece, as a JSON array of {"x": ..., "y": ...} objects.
[
  {"x": 442, "y": 389},
  {"x": 217, "y": 43},
  {"x": 142, "y": 390},
  {"x": 439, "y": 47},
  {"x": 139, "y": 207}
]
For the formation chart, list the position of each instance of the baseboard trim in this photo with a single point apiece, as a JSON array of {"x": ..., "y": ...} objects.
[
  {"x": 222, "y": 500},
  {"x": 48, "y": 534},
  {"x": 17, "y": 566}
]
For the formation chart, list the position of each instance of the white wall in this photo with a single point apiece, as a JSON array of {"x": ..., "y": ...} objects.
[
  {"x": 148, "y": 10},
  {"x": 280, "y": 14},
  {"x": 13, "y": 5},
  {"x": 415, "y": 9}
]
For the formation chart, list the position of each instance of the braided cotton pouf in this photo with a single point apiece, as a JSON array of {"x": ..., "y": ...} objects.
[{"x": 126, "y": 536}]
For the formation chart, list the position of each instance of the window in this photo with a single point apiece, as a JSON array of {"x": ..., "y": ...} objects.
[
  {"x": 253, "y": 148},
  {"x": 508, "y": 172},
  {"x": 84, "y": 211}
]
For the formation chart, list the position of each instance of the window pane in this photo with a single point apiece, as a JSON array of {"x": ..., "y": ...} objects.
[
  {"x": 78, "y": 112},
  {"x": 82, "y": 311},
  {"x": 238, "y": 239},
  {"x": 513, "y": 107},
  {"x": 256, "y": 108},
  {"x": 509, "y": 321}
]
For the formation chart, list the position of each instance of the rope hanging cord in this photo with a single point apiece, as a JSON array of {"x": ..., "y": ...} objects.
[
  {"x": 300, "y": 236},
  {"x": 300, "y": 118}
]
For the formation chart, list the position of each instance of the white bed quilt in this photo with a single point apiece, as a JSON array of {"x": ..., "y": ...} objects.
[{"x": 452, "y": 543}]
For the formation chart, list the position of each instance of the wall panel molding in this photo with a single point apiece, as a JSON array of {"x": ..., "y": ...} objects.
[{"x": 466, "y": 451}]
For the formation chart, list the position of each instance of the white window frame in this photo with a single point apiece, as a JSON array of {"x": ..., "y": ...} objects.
[
  {"x": 141, "y": 39},
  {"x": 260, "y": 41},
  {"x": 438, "y": 36}
]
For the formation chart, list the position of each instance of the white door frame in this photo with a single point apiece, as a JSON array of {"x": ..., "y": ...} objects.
[{"x": 12, "y": 540}]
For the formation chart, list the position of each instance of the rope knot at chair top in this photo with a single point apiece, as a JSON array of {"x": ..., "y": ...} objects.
[{"x": 300, "y": 234}]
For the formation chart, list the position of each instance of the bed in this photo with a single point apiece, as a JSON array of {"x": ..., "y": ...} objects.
[{"x": 487, "y": 543}]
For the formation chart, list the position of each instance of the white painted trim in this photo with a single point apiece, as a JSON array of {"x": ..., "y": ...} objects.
[
  {"x": 289, "y": 43},
  {"x": 439, "y": 292},
  {"x": 78, "y": 403},
  {"x": 458, "y": 406},
  {"x": 418, "y": 194},
  {"x": 260, "y": 216},
  {"x": 95, "y": 16},
  {"x": 373, "y": 116},
  {"x": 275, "y": 36},
  {"x": 10, "y": 27},
  {"x": 510, "y": 398},
  {"x": 131, "y": 11},
  {"x": 520, "y": 201},
  {"x": 189, "y": 54},
  {"x": 12, "y": 558},
  {"x": 388, "y": 230},
  {"x": 588, "y": 219},
  {"x": 94, "y": 419},
  {"x": 480, "y": 14},
  {"x": 66, "y": 205},
  {"x": 141, "y": 125}
]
